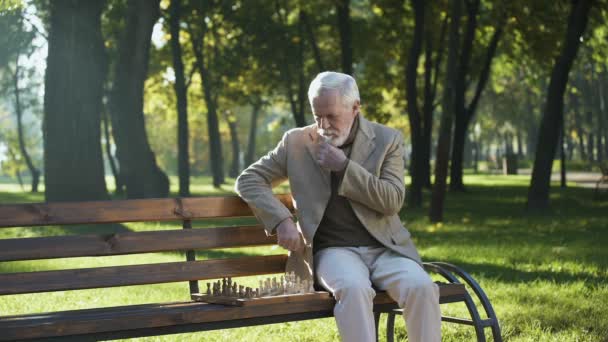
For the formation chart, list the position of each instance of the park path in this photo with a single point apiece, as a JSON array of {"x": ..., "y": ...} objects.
[{"x": 583, "y": 179}]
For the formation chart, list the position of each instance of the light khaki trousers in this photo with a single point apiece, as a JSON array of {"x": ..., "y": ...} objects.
[{"x": 348, "y": 273}]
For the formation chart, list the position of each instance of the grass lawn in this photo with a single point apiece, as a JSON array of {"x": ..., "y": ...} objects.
[{"x": 546, "y": 276}]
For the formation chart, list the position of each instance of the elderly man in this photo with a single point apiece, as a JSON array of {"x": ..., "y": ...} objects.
[{"x": 346, "y": 179}]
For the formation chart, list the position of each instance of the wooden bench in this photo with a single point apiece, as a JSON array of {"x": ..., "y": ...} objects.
[{"x": 102, "y": 323}]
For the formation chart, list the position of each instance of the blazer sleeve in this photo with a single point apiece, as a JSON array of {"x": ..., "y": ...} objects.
[
  {"x": 255, "y": 184},
  {"x": 384, "y": 193}
]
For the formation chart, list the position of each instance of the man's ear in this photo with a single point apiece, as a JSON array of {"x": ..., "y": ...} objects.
[{"x": 356, "y": 107}]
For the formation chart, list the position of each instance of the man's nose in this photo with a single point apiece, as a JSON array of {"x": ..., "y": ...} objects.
[{"x": 324, "y": 123}]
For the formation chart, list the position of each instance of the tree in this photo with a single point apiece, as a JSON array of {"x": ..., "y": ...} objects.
[
  {"x": 255, "y": 110},
  {"x": 138, "y": 168},
  {"x": 183, "y": 164},
  {"x": 72, "y": 103},
  {"x": 17, "y": 41},
  {"x": 415, "y": 120},
  {"x": 465, "y": 112},
  {"x": 235, "y": 167},
  {"x": 538, "y": 193},
  {"x": 445, "y": 127},
  {"x": 344, "y": 23},
  {"x": 432, "y": 63},
  {"x": 204, "y": 64},
  {"x": 22, "y": 147}
]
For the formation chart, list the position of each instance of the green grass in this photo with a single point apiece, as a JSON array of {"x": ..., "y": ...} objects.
[{"x": 545, "y": 275}]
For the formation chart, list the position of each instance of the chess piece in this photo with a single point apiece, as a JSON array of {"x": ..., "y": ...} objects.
[
  {"x": 234, "y": 291},
  {"x": 229, "y": 287},
  {"x": 224, "y": 291},
  {"x": 241, "y": 291},
  {"x": 208, "y": 289},
  {"x": 257, "y": 292}
]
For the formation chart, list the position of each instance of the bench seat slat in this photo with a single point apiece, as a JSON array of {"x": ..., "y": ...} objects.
[
  {"x": 131, "y": 243},
  {"x": 100, "y": 277},
  {"x": 159, "y": 315},
  {"x": 96, "y": 212}
]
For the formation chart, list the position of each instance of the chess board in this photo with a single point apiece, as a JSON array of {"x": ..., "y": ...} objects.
[
  {"x": 235, "y": 301},
  {"x": 287, "y": 289}
]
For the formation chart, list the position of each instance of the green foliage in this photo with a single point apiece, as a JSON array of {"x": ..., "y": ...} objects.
[{"x": 18, "y": 42}]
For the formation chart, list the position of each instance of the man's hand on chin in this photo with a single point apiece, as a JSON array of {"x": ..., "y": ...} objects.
[
  {"x": 289, "y": 236},
  {"x": 331, "y": 157}
]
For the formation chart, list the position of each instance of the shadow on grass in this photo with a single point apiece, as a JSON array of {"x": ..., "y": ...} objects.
[{"x": 506, "y": 274}]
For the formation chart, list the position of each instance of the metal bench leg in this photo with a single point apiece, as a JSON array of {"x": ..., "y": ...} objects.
[
  {"x": 377, "y": 322},
  {"x": 492, "y": 320},
  {"x": 446, "y": 271},
  {"x": 390, "y": 327},
  {"x": 476, "y": 321}
]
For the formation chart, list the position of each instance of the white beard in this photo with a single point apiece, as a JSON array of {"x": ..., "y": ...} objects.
[{"x": 331, "y": 137}]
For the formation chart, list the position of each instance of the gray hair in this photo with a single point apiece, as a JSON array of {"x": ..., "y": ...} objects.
[{"x": 330, "y": 80}]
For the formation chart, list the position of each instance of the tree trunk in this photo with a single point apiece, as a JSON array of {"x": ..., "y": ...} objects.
[
  {"x": 76, "y": 68},
  {"x": 236, "y": 151},
  {"x": 13, "y": 157},
  {"x": 213, "y": 129},
  {"x": 119, "y": 185},
  {"x": 183, "y": 154},
  {"x": 562, "y": 158},
  {"x": 538, "y": 194},
  {"x": 415, "y": 198},
  {"x": 430, "y": 91},
  {"x": 20, "y": 135},
  {"x": 445, "y": 126},
  {"x": 604, "y": 109},
  {"x": 601, "y": 143},
  {"x": 249, "y": 158},
  {"x": 477, "y": 147},
  {"x": 301, "y": 81},
  {"x": 464, "y": 113},
  {"x": 460, "y": 113},
  {"x": 531, "y": 131},
  {"x": 580, "y": 132},
  {"x": 297, "y": 111},
  {"x": 142, "y": 176},
  {"x": 305, "y": 19},
  {"x": 346, "y": 50},
  {"x": 590, "y": 136},
  {"x": 520, "y": 147}
]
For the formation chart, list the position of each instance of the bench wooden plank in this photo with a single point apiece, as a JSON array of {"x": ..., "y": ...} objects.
[
  {"x": 168, "y": 314},
  {"x": 100, "y": 277},
  {"x": 154, "y": 316},
  {"x": 96, "y": 212},
  {"x": 131, "y": 243}
]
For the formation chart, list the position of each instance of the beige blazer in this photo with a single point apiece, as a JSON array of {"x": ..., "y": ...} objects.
[{"x": 373, "y": 184}]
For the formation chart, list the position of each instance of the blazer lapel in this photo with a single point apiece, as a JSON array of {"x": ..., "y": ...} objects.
[{"x": 364, "y": 144}]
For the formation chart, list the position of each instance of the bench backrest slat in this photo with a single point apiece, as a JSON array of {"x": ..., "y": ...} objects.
[
  {"x": 88, "y": 278},
  {"x": 132, "y": 242},
  {"x": 165, "y": 209}
]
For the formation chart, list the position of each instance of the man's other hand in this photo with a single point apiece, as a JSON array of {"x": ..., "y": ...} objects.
[
  {"x": 331, "y": 157},
  {"x": 289, "y": 236}
]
